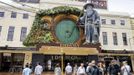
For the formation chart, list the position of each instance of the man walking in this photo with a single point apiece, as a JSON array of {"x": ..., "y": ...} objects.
[
  {"x": 125, "y": 69},
  {"x": 81, "y": 70},
  {"x": 93, "y": 70},
  {"x": 68, "y": 69},
  {"x": 27, "y": 70},
  {"x": 38, "y": 69}
]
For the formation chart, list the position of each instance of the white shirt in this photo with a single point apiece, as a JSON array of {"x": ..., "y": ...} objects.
[
  {"x": 38, "y": 69},
  {"x": 26, "y": 71},
  {"x": 81, "y": 70},
  {"x": 57, "y": 71},
  {"x": 68, "y": 69},
  {"x": 125, "y": 69}
]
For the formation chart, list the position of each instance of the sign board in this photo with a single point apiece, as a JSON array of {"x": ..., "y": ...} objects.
[
  {"x": 100, "y": 4},
  {"x": 6, "y": 54}
]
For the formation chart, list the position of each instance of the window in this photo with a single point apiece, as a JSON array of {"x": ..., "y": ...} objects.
[
  {"x": 25, "y": 16},
  {"x": 115, "y": 41},
  {"x": 122, "y": 22},
  {"x": 23, "y": 33},
  {"x": 0, "y": 30},
  {"x": 104, "y": 35},
  {"x": 124, "y": 37},
  {"x": 13, "y": 14},
  {"x": 1, "y": 14},
  {"x": 113, "y": 22},
  {"x": 10, "y": 33},
  {"x": 103, "y": 21}
]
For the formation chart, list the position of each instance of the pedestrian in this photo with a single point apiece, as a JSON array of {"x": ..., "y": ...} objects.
[
  {"x": 88, "y": 69},
  {"x": 114, "y": 68},
  {"x": 81, "y": 70},
  {"x": 125, "y": 69},
  {"x": 101, "y": 68},
  {"x": 75, "y": 69},
  {"x": 68, "y": 69},
  {"x": 27, "y": 70},
  {"x": 57, "y": 70},
  {"x": 38, "y": 69},
  {"x": 94, "y": 69}
]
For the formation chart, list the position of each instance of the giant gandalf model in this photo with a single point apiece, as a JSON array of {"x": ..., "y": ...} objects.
[{"x": 91, "y": 20}]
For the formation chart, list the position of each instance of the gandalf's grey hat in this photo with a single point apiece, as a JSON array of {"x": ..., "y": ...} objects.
[{"x": 88, "y": 4}]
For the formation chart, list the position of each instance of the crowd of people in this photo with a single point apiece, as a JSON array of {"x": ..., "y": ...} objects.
[
  {"x": 28, "y": 69},
  {"x": 92, "y": 68}
]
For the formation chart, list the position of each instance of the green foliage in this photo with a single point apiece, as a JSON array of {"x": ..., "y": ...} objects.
[
  {"x": 38, "y": 34},
  {"x": 59, "y": 10}
]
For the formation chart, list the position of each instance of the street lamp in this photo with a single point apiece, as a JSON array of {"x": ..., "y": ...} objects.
[{"x": 62, "y": 60}]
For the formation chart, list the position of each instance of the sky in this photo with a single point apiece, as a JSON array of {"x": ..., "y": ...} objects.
[
  {"x": 113, "y": 5},
  {"x": 121, "y": 6}
]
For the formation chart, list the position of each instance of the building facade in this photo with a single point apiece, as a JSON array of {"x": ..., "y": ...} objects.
[
  {"x": 15, "y": 24},
  {"x": 115, "y": 27}
]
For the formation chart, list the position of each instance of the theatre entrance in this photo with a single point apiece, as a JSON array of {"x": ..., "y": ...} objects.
[{"x": 49, "y": 61}]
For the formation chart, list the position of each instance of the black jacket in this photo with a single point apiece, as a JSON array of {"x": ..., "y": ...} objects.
[
  {"x": 94, "y": 70},
  {"x": 113, "y": 69}
]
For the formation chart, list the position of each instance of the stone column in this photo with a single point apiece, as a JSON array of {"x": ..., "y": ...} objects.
[
  {"x": 132, "y": 59},
  {"x": 28, "y": 58}
]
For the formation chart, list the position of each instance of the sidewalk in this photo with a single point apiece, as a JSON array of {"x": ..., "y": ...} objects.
[{"x": 9, "y": 73}]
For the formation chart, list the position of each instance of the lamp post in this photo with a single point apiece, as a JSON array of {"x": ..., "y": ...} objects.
[{"x": 62, "y": 61}]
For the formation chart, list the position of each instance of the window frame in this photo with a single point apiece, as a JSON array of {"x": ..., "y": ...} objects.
[
  {"x": 103, "y": 21},
  {"x": 105, "y": 38},
  {"x": 115, "y": 38},
  {"x": 113, "y": 22},
  {"x": 2, "y": 14},
  {"x": 10, "y": 34},
  {"x": 13, "y": 14},
  {"x": 23, "y": 33},
  {"x": 124, "y": 39},
  {"x": 122, "y": 22},
  {"x": 25, "y": 15}
]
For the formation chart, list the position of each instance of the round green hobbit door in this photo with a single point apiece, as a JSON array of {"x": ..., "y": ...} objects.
[{"x": 67, "y": 32}]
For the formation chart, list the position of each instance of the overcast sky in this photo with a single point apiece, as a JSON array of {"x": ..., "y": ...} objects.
[{"x": 114, "y": 5}]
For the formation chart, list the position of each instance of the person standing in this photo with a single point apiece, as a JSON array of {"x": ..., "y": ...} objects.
[
  {"x": 114, "y": 68},
  {"x": 75, "y": 69},
  {"x": 68, "y": 69},
  {"x": 101, "y": 68},
  {"x": 81, "y": 70},
  {"x": 27, "y": 70},
  {"x": 57, "y": 70},
  {"x": 38, "y": 69},
  {"x": 88, "y": 69},
  {"x": 125, "y": 69},
  {"x": 94, "y": 69}
]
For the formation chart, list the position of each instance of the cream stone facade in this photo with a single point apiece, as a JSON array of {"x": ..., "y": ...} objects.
[{"x": 19, "y": 22}]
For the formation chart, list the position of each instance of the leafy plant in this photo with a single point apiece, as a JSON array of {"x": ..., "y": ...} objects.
[{"x": 38, "y": 34}]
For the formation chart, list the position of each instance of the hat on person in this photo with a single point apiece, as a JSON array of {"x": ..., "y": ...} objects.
[{"x": 88, "y": 4}]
